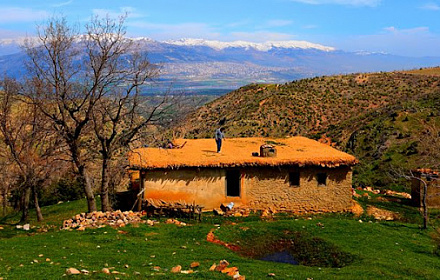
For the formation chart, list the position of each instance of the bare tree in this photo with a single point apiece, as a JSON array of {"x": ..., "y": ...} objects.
[
  {"x": 71, "y": 75},
  {"x": 6, "y": 178},
  {"x": 29, "y": 144},
  {"x": 121, "y": 115}
]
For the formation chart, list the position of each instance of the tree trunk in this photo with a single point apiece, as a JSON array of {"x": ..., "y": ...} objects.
[
  {"x": 141, "y": 190},
  {"x": 85, "y": 178},
  {"x": 25, "y": 204},
  {"x": 105, "y": 201},
  {"x": 88, "y": 188},
  {"x": 37, "y": 205},
  {"x": 424, "y": 206},
  {"x": 5, "y": 200}
]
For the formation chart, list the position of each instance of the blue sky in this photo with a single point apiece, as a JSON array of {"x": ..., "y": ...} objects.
[{"x": 402, "y": 27}]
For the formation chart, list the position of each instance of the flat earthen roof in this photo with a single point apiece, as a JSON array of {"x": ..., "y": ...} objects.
[{"x": 236, "y": 152}]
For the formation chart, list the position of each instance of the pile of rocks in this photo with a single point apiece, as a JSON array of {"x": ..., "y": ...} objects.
[{"x": 99, "y": 219}]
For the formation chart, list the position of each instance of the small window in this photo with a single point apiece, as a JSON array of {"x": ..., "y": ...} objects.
[
  {"x": 233, "y": 183},
  {"x": 294, "y": 179},
  {"x": 322, "y": 179}
]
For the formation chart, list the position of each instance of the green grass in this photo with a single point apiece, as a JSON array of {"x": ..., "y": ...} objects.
[{"x": 380, "y": 250}]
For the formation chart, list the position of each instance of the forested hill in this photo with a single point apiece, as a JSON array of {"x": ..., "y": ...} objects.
[{"x": 379, "y": 117}]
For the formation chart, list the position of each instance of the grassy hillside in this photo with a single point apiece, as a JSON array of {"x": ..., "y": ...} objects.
[
  {"x": 379, "y": 117},
  {"x": 377, "y": 250}
]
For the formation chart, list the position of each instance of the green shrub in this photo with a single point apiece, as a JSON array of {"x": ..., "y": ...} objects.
[{"x": 65, "y": 189}]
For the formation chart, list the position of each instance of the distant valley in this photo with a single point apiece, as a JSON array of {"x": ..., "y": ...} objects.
[{"x": 213, "y": 67}]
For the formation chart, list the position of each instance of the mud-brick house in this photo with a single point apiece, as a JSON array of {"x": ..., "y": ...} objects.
[
  {"x": 432, "y": 180},
  {"x": 292, "y": 174}
]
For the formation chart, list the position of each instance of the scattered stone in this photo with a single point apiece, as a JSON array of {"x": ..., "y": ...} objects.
[
  {"x": 47, "y": 259},
  {"x": 156, "y": 268},
  {"x": 271, "y": 274},
  {"x": 85, "y": 271},
  {"x": 72, "y": 271},
  {"x": 26, "y": 227},
  {"x": 35, "y": 261},
  {"x": 40, "y": 255},
  {"x": 18, "y": 226},
  {"x": 115, "y": 272},
  {"x": 176, "y": 269},
  {"x": 195, "y": 264},
  {"x": 223, "y": 264},
  {"x": 1, "y": 228},
  {"x": 136, "y": 273},
  {"x": 187, "y": 271},
  {"x": 231, "y": 271},
  {"x": 105, "y": 270}
]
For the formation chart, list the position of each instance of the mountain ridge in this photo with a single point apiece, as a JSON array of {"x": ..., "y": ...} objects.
[{"x": 197, "y": 65}]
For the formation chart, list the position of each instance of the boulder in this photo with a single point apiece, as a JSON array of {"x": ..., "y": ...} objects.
[
  {"x": 176, "y": 269},
  {"x": 72, "y": 271},
  {"x": 105, "y": 270}
]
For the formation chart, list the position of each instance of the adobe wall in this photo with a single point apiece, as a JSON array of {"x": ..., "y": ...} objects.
[
  {"x": 260, "y": 188},
  {"x": 272, "y": 189},
  {"x": 203, "y": 186}
]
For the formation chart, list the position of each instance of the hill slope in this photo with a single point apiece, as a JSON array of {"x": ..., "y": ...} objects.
[{"x": 379, "y": 117}]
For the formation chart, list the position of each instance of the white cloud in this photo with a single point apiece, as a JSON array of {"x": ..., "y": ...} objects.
[
  {"x": 239, "y": 23},
  {"x": 278, "y": 23},
  {"x": 161, "y": 31},
  {"x": 261, "y": 36},
  {"x": 415, "y": 42},
  {"x": 130, "y": 11},
  {"x": 399, "y": 32},
  {"x": 431, "y": 7},
  {"x": 370, "y": 3},
  {"x": 15, "y": 15},
  {"x": 62, "y": 4}
]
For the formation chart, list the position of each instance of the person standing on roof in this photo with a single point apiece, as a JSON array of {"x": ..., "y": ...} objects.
[{"x": 219, "y": 136}]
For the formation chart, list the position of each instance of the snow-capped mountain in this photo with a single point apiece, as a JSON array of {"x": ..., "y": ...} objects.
[
  {"x": 218, "y": 45},
  {"x": 198, "y": 65}
]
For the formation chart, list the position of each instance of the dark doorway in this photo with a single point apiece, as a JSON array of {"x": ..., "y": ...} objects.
[
  {"x": 233, "y": 182},
  {"x": 322, "y": 179},
  {"x": 294, "y": 179}
]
